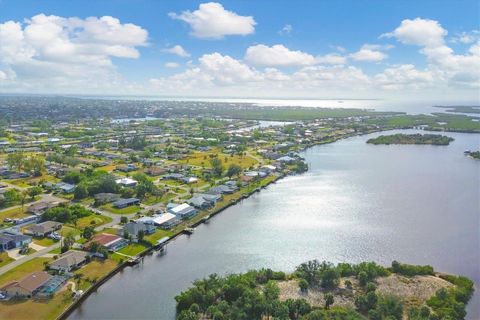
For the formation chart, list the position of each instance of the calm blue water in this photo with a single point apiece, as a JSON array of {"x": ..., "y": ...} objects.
[{"x": 416, "y": 204}]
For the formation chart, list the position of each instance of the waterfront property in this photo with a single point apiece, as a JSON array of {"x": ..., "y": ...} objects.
[
  {"x": 28, "y": 286},
  {"x": 183, "y": 211},
  {"x": 110, "y": 241},
  {"x": 69, "y": 261},
  {"x": 134, "y": 228}
]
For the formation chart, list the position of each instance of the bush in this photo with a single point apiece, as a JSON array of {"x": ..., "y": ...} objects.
[{"x": 411, "y": 270}]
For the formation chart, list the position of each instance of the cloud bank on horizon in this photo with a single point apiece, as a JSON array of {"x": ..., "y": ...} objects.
[{"x": 47, "y": 53}]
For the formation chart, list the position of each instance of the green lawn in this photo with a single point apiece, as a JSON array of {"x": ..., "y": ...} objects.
[
  {"x": 4, "y": 259},
  {"x": 202, "y": 159},
  {"x": 56, "y": 251},
  {"x": 127, "y": 210},
  {"x": 159, "y": 234},
  {"x": 44, "y": 242},
  {"x": 153, "y": 200},
  {"x": 94, "y": 220},
  {"x": 133, "y": 249},
  {"x": 13, "y": 213}
]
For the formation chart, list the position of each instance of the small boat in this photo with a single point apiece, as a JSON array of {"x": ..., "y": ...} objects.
[
  {"x": 132, "y": 262},
  {"x": 468, "y": 151},
  {"x": 205, "y": 219},
  {"x": 189, "y": 230}
]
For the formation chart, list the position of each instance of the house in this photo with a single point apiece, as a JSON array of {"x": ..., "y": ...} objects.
[
  {"x": 123, "y": 203},
  {"x": 133, "y": 229},
  {"x": 165, "y": 220},
  {"x": 104, "y": 197},
  {"x": 126, "y": 182},
  {"x": 12, "y": 240},
  {"x": 174, "y": 176},
  {"x": 40, "y": 207},
  {"x": 155, "y": 171},
  {"x": 28, "y": 286},
  {"x": 44, "y": 228},
  {"x": 69, "y": 261},
  {"x": 286, "y": 159},
  {"x": 255, "y": 174},
  {"x": 200, "y": 202},
  {"x": 127, "y": 168},
  {"x": 190, "y": 180},
  {"x": 268, "y": 168},
  {"x": 110, "y": 241},
  {"x": 204, "y": 200},
  {"x": 183, "y": 211},
  {"x": 222, "y": 189},
  {"x": 65, "y": 187}
]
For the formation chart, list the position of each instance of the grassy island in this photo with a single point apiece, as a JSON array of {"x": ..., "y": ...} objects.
[
  {"x": 475, "y": 155},
  {"x": 432, "y": 139},
  {"x": 322, "y": 290}
]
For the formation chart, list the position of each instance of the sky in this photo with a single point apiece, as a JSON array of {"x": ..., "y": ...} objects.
[{"x": 273, "y": 49}]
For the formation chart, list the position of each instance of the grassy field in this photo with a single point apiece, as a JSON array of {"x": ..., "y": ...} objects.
[
  {"x": 128, "y": 210},
  {"x": 94, "y": 271},
  {"x": 22, "y": 183},
  {"x": 13, "y": 213},
  {"x": 202, "y": 159},
  {"x": 66, "y": 230},
  {"x": 4, "y": 259},
  {"x": 44, "y": 242},
  {"x": 133, "y": 249},
  {"x": 96, "y": 218},
  {"x": 159, "y": 234},
  {"x": 164, "y": 199}
]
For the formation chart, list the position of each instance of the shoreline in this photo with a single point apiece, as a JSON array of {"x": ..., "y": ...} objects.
[{"x": 71, "y": 308}]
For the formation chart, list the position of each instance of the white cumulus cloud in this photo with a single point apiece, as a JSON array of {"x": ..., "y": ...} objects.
[
  {"x": 277, "y": 56},
  {"x": 331, "y": 58},
  {"x": 177, "y": 50},
  {"x": 171, "y": 65},
  {"x": 67, "y": 51},
  {"x": 211, "y": 20},
  {"x": 370, "y": 53},
  {"x": 454, "y": 69},
  {"x": 420, "y": 32}
]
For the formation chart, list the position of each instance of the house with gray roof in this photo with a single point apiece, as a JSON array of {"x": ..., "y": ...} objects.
[{"x": 69, "y": 261}]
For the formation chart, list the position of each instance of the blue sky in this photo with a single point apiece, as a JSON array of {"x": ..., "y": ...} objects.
[{"x": 217, "y": 62}]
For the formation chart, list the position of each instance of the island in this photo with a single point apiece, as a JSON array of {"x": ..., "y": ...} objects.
[
  {"x": 473, "y": 154},
  {"x": 322, "y": 290},
  {"x": 433, "y": 139},
  {"x": 461, "y": 109}
]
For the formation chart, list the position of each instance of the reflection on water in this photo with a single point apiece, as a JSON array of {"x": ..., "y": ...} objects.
[{"x": 416, "y": 204}]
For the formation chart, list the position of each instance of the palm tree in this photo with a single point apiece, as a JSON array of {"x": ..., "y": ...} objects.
[
  {"x": 328, "y": 300},
  {"x": 78, "y": 277}
]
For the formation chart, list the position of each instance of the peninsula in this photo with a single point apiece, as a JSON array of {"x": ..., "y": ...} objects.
[{"x": 322, "y": 290}]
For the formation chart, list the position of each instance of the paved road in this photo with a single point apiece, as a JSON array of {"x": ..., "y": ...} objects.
[{"x": 34, "y": 255}]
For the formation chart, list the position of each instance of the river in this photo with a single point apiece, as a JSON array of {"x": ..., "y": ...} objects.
[{"x": 415, "y": 204}]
